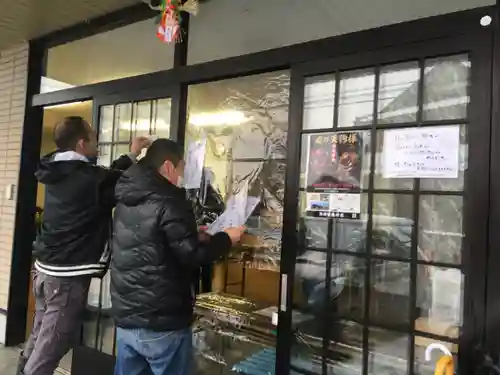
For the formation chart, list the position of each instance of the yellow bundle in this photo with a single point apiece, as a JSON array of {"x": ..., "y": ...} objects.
[{"x": 444, "y": 366}]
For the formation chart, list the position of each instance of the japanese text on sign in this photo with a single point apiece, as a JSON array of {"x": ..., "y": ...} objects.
[{"x": 430, "y": 152}]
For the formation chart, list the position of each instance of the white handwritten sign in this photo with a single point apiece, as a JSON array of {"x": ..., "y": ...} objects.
[
  {"x": 427, "y": 152},
  {"x": 195, "y": 158},
  {"x": 238, "y": 209}
]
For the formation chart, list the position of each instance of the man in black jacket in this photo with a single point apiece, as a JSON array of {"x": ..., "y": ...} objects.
[
  {"x": 156, "y": 248},
  {"x": 79, "y": 198}
]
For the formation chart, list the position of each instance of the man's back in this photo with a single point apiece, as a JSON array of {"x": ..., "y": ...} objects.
[
  {"x": 156, "y": 248},
  {"x": 77, "y": 213},
  {"x": 143, "y": 264}
]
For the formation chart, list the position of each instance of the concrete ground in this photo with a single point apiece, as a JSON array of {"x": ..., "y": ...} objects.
[{"x": 8, "y": 362}]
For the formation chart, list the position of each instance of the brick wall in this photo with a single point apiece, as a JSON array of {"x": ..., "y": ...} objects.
[{"x": 13, "y": 76}]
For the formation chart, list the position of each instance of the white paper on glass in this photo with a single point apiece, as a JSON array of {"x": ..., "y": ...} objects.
[
  {"x": 238, "y": 209},
  {"x": 195, "y": 158},
  {"x": 346, "y": 203},
  {"x": 428, "y": 152},
  {"x": 446, "y": 296}
]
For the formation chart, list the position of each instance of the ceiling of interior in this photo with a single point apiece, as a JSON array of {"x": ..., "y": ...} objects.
[{"x": 26, "y": 19}]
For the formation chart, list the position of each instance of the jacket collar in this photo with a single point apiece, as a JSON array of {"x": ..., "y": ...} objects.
[{"x": 69, "y": 156}]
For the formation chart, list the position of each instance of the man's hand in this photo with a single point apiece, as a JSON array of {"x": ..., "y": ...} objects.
[
  {"x": 203, "y": 236},
  {"x": 138, "y": 144},
  {"x": 235, "y": 234}
]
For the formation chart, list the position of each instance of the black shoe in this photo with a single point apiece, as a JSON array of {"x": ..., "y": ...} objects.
[{"x": 20, "y": 364}]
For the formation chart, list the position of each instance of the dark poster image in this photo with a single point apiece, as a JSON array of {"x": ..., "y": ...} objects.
[{"x": 335, "y": 162}]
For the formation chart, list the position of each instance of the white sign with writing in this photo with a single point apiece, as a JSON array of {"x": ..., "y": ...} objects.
[
  {"x": 427, "y": 152},
  {"x": 195, "y": 158},
  {"x": 238, "y": 209}
]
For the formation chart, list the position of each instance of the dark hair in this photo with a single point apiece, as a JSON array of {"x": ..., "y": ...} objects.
[
  {"x": 162, "y": 150},
  {"x": 69, "y": 131}
]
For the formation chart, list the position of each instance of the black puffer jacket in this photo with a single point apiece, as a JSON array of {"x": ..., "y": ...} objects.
[
  {"x": 79, "y": 198},
  {"x": 155, "y": 251}
]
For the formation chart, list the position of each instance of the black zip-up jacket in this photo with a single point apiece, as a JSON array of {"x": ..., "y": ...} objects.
[
  {"x": 79, "y": 198},
  {"x": 155, "y": 252}
]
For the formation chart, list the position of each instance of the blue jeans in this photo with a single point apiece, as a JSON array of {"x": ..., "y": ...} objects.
[{"x": 145, "y": 352}]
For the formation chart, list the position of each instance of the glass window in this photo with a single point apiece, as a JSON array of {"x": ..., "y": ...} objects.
[
  {"x": 319, "y": 102},
  {"x": 439, "y": 301},
  {"x": 406, "y": 266},
  {"x": 446, "y": 88},
  {"x": 441, "y": 228},
  {"x": 122, "y": 122},
  {"x": 390, "y": 293},
  {"x": 245, "y": 123},
  {"x": 241, "y": 27},
  {"x": 99, "y": 328},
  {"x": 356, "y": 95},
  {"x": 388, "y": 352},
  {"x": 119, "y": 123},
  {"x": 392, "y": 225},
  {"x": 123, "y": 52},
  {"x": 423, "y": 367},
  {"x": 398, "y": 93}
]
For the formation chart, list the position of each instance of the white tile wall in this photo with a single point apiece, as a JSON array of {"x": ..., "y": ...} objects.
[{"x": 13, "y": 77}]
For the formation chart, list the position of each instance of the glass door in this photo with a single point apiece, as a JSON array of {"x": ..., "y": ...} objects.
[
  {"x": 118, "y": 122},
  {"x": 388, "y": 146}
]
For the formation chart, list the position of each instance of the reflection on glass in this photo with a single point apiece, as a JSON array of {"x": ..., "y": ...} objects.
[
  {"x": 333, "y": 233},
  {"x": 245, "y": 121},
  {"x": 102, "y": 340},
  {"x": 104, "y": 155},
  {"x": 304, "y": 158},
  {"x": 439, "y": 299},
  {"x": 315, "y": 232},
  {"x": 319, "y": 102},
  {"x": 142, "y": 119},
  {"x": 389, "y": 295},
  {"x": 381, "y": 182},
  {"x": 398, "y": 93},
  {"x": 392, "y": 225},
  {"x": 343, "y": 293},
  {"x": 119, "y": 150},
  {"x": 106, "y": 56},
  {"x": 106, "y": 123},
  {"x": 343, "y": 355},
  {"x": 388, "y": 352},
  {"x": 451, "y": 184},
  {"x": 161, "y": 118},
  {"x": 423, "y": 367},
  {"x": 99, "y": 328},
  {"x": 122, "y": 124},
  {"x": 441, "y": 228},
  {"x": 357, "y": 91},
  {"x": 446, "y": 84}
]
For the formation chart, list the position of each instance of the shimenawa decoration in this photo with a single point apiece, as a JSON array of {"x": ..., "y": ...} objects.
[{"x": 170, "y": 19}]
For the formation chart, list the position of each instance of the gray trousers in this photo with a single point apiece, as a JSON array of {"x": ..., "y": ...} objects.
[{"x": 60, "y": 303}]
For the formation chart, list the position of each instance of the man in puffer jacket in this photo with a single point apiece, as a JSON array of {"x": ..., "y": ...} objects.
[
  {"x": 156, "y": 249},
  {"x": 79, "y": 197}
]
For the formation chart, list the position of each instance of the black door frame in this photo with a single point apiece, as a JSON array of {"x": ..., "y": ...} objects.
[
  {"x": 397, "y": 36},
  {"x": 478, "y": 47}
]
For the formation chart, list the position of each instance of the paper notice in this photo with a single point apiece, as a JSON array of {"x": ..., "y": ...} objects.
[
  {"x": 427, "y": 152},
  {"x": 195, "y": 158},
  {"x": 238, "y": 209}
]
